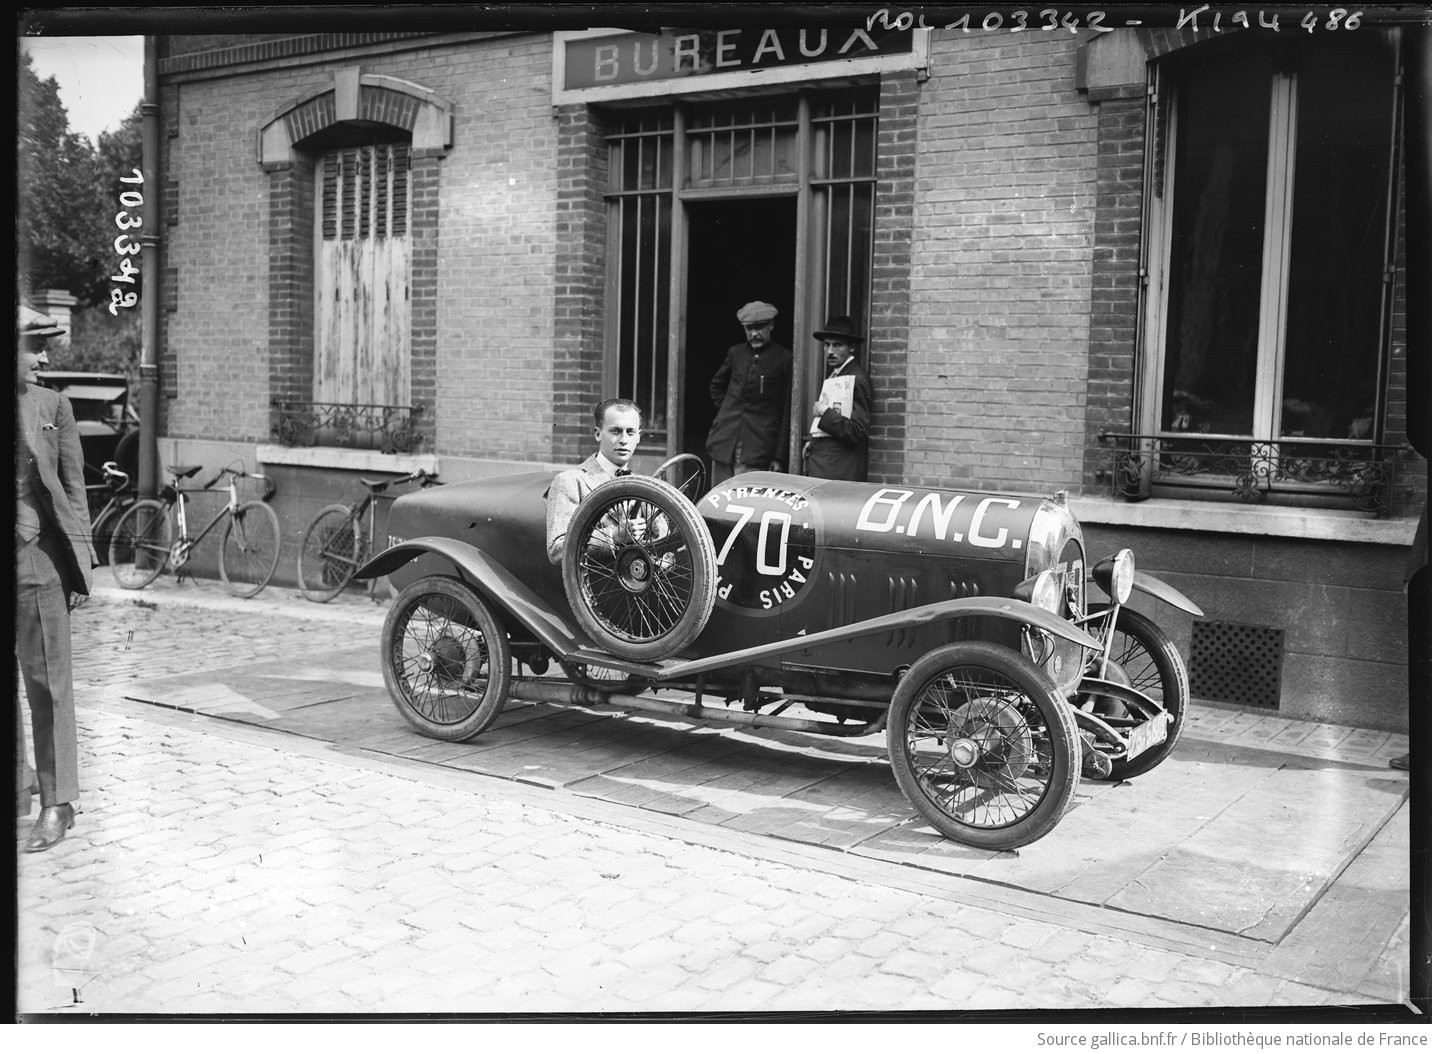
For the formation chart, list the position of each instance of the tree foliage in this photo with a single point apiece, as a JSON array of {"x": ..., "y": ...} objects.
[{"x": 67, "y": 193}]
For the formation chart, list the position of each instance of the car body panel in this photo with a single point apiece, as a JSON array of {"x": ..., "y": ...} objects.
[
  {"x": 565, "y": 640},
  {"x": 812, "y": 574}
]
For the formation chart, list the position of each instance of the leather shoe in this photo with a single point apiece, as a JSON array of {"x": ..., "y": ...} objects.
[
  {"x": 50, "y": 828},
  {"x": 1402, "y": 761}
]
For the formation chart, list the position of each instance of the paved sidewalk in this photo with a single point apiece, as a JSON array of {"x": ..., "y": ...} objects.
[{"x": 221, "y": 867}]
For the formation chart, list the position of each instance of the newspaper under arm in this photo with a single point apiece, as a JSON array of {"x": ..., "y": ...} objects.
[{"x": 839, "y": 394}]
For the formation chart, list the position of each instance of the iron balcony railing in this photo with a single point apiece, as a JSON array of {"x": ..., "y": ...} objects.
[
  {"x": 360, "y": 426},
  {"x": 1359, "y": 474}
]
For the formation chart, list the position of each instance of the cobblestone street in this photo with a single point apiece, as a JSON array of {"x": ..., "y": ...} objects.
[{"x": 221, "y": 868}]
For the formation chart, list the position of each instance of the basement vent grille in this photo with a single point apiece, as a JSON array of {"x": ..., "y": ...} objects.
[{"x": 1235, "y": 663}]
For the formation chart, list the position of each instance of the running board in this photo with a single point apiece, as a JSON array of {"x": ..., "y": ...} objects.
[{"x": 533, "y": 690}]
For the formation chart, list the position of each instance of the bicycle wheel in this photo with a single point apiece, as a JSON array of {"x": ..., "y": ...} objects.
[
  {"x": 102, "y": 530},
  {"x": 329, "y": 554},
  {"x": 249, "y": 552},
  {"x": 139, "y": 545}
]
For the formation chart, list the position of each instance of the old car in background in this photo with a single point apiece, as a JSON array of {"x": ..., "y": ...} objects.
[
  {"x": 960, "y": 624},
  {"x": 108, "y": 424}
]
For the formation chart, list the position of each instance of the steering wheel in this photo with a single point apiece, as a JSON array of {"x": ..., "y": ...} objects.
[{"x": 687, "y": 474}]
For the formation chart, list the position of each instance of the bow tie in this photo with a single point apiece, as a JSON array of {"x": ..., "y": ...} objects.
[{"x": 623, "y": 471}]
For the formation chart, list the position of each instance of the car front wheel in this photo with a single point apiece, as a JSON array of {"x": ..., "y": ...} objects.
[
  {"x": 1143, "y": 657},
  {"x": 446, "y": 661},
  {"x": 982, "y": 746}
]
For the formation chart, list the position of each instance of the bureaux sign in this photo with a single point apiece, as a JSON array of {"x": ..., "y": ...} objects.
[{"x": 605, "y": 64}]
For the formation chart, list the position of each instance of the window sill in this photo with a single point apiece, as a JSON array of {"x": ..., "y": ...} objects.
[
  {"x": 1327, "y": 525},
  {"x": 345, "y": 458}
]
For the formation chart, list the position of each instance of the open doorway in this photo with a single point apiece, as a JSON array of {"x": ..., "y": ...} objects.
[{"x": 737, "y": 251}]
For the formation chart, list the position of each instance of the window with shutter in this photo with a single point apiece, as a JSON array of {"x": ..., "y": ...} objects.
[{"x": 362, "y": 307}]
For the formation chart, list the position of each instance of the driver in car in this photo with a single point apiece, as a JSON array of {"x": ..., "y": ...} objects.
[{"x": 618, "y": 432}]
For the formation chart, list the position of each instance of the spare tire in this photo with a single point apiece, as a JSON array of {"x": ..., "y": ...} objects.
[{"x": 639, "y": 568}]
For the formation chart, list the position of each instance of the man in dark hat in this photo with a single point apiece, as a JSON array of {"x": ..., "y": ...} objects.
[
  {"x": 752, "y": 393},
  {"x": 53, "y": 559},
  {"x": 839, "y": 443}
]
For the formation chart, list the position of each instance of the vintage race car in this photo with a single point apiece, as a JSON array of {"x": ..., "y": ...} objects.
[{"x": 960, "y": 624}]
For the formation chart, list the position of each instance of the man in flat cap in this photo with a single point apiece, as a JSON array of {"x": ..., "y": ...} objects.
[
  {"x": 752, "y": 393},
  {"x": 53, "y": 559}
]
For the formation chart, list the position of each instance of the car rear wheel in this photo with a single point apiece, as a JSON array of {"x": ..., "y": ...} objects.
[
  {"x": 982, "y": 746},
  {"x": 1143, "y": 657},
  {"x": 445, "y": 658},
  {"x": 639, "y": 568}
]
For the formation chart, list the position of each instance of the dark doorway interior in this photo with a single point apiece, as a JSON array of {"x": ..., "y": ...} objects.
[{"x": 738, "y": 251}]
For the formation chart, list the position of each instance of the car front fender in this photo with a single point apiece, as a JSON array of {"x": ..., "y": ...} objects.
[
  {"x": 942, "y": 610},
  {"x": 1163, "y": 591},
  {"x": 494, "y": 580}
]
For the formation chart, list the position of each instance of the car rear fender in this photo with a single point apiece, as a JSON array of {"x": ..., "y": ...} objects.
[
  {"x": 1161, "y": 590},
  {"x": 497, "y": 584}
]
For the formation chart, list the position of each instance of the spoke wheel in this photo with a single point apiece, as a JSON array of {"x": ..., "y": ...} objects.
[
  {"x": 685, "y": 472},
  {"x": 248, "y": 554},
  {"x": 1144, "y": 658},
  {"x": 982, "y": 746},
  {"x": 329, "y": 554},
  {"x": 639, "y": 568},
  {"x": 139, "y": 545},
  {"x": 103, "y": 532},
  {"x": 446, "y": 661}
]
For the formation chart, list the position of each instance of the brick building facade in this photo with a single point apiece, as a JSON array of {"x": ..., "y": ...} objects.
[{"x": 982, "y": 203}]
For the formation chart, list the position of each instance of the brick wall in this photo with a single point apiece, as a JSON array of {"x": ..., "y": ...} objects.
[
  {"x": 580, "y": 266},
  {"x": 290, "y": 286},
  {"x": 217, "y": 248},
  {"x": 1001, "y": 264},
  {"x": 890, "y": 273},
  {"x": 483, "y": 243},
  {"x": 497, "y": 241},
  {"x": 425, "y": 186},
  {"x": 1114, "y": 317}
]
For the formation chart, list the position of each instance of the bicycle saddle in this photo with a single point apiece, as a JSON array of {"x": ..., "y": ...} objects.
[
  {"x": 183, "y": 471},
  {"x": 377, "y": 486}
]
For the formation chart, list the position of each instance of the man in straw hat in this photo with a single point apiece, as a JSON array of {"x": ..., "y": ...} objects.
[
  {"x": 839, "y": 443},
  {"x": 752, "y": 393},
  {"x": 53, "y": 559}
]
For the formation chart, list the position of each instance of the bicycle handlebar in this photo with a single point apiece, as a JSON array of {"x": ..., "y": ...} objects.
[
  {"x": 115, "y": 476},
  {"x": 239, "y": 473},
  {"x": 420, "y": 476}
]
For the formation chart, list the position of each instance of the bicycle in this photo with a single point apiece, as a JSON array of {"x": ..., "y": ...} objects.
[
  {"x": 121, "y": 496},
  {"x": 143, "y": 542},
  {"x": 335, "y": 543}
]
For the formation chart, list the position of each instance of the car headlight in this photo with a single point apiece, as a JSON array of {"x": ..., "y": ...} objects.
[
  {"x": 1115, "y": 575},
  {"x": 1043, "y": 590}
]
